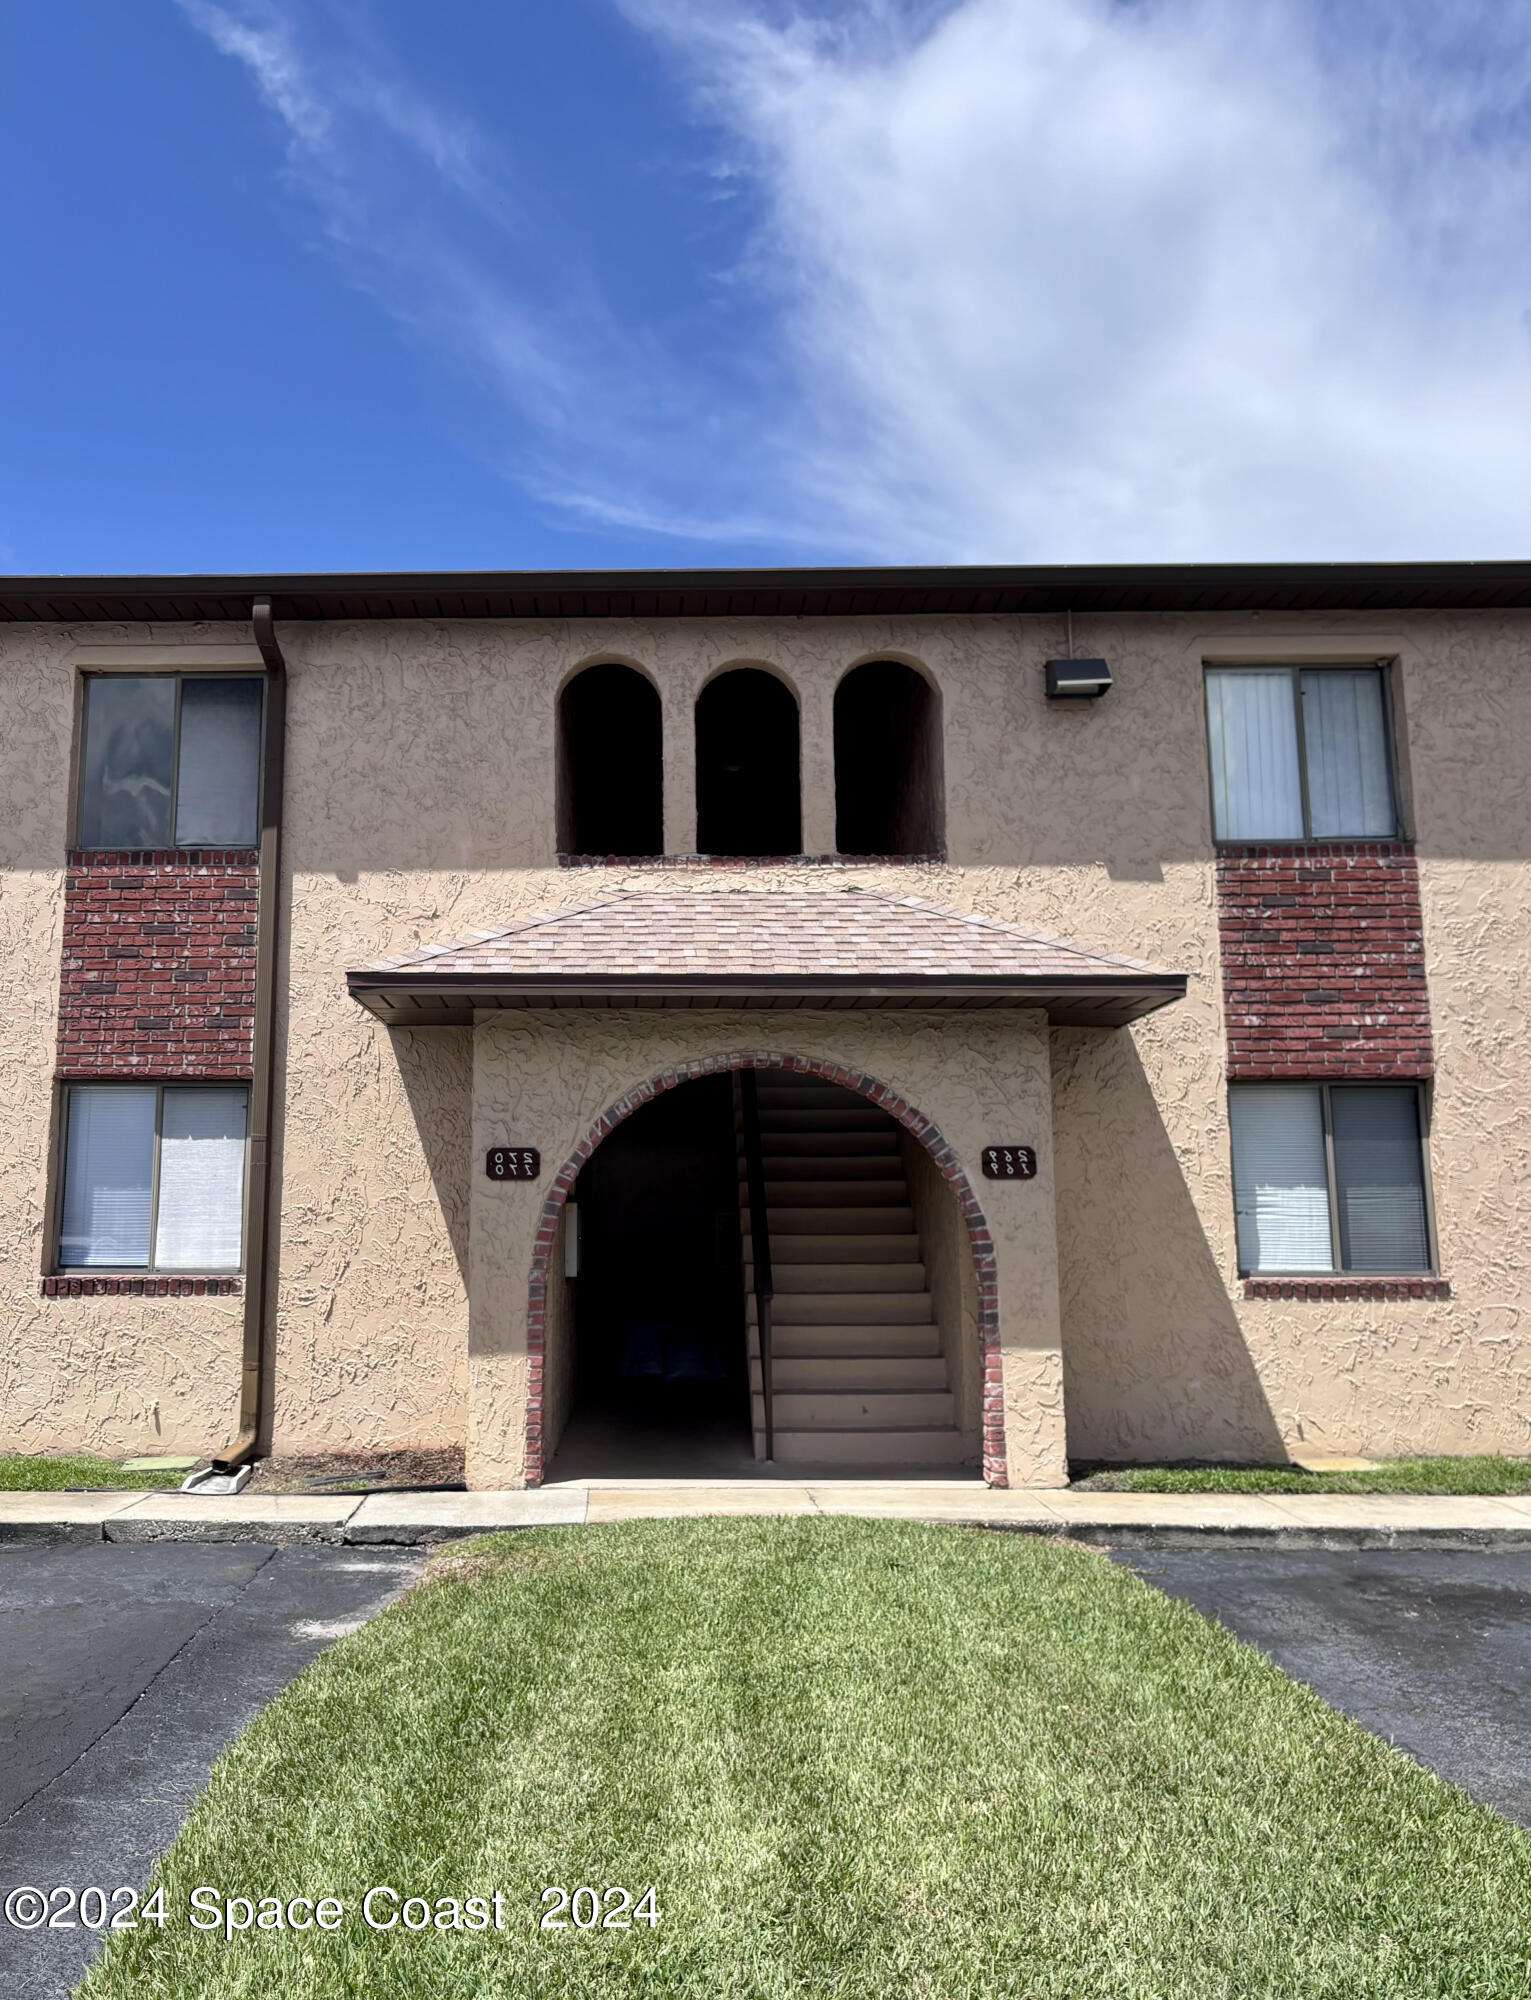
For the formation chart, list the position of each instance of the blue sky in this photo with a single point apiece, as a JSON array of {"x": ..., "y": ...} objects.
[{"x": 329, "y": 284}]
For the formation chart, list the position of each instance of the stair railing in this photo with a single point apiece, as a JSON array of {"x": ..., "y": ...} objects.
[{"x": 760, "y": 1246}]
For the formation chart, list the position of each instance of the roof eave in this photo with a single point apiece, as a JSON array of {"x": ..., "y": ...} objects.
[
  {"x": 839, "y": 591},
  {"x": 1103, "y": 1000}
]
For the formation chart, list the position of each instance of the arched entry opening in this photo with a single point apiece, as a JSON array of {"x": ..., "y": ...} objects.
[
  {"x": 748, "y": 766},
  {"x": 645, "y": 1326},
  {"x": 610, "y": 774},
  {"x": 888, "y": 766}
]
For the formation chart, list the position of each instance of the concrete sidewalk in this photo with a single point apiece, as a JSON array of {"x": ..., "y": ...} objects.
[{"x": 1119, "y": 1520}]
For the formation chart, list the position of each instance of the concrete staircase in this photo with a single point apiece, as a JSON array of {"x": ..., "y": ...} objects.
[{"x": 858, "y": 1372}]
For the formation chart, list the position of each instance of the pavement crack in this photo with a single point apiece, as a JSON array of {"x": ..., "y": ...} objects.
[{"x": 213, "y": 1611}]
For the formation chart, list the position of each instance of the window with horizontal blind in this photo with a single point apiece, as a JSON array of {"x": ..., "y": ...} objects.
[
  {"x": 170, "y": 760},
  {"x": 154, "y": 1177},
  {"x": 1329, "y": 1177},
  {"x": 1300, "y": 753}
]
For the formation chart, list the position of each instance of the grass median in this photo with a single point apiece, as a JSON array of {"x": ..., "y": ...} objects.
[
  {"x": 852, "y": 1758},
  {"x": 1444, "y": 1477}
]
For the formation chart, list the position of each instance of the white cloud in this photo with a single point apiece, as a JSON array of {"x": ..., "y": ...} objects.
[
  {"x": 1073, "y": 279},
  {"x": 1039, "y": 279}
]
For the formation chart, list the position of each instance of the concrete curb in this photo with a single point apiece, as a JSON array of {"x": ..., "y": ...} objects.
[{"x": 1127, "y": 1521}]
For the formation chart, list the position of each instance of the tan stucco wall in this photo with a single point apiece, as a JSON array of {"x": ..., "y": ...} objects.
[
  {"x": 420, "y": 806},
  {"x": 949, "y": 1271},
  {"x": 555, "y": 1075}
]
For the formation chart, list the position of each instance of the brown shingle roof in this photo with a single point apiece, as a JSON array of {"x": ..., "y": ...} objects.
[{"x": 842, "y": 947}]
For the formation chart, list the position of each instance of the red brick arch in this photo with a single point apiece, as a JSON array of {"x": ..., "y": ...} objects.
[{"x": 880, "y": 1094}]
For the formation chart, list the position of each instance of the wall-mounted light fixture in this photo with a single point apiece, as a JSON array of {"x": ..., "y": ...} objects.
[{"x": 1076, "y": 680}]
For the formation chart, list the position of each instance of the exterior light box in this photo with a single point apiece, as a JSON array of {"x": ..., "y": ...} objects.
[{"x": 1077, "y": 680}]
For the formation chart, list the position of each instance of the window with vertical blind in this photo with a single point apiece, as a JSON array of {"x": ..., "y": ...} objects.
[
  {"x": 1300, "y": 753},
  {"x": 1329, "y": 1177},
  {"x": 170, "y": 760},
  {"x": 153, "y": 1177}
]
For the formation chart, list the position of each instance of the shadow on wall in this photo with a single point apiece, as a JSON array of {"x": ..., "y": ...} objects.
[
  {"x": 436, "y": 1069},
  {"x": 1154, "y": 1361}
]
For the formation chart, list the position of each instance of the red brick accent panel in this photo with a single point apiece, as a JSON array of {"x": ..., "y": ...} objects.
[
  {"x": 1352, "y": 1287},
  {"x": 985, "y": 1266},
  {"x": 150, "y": 1286},
  {"x": 1323, "y": 961},
  {"x": 158, "y": 964}
]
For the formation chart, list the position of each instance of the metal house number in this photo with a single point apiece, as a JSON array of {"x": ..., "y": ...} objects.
[
  {"x": 513, "y": 1163},
  {"x": 1009, "y": 1163}
]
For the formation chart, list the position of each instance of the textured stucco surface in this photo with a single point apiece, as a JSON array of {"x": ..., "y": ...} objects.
[
  {"x": 420, "y": 806},
  {"x": 949, "y": 1273}
]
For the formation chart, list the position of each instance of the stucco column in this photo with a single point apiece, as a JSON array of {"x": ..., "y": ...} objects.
[
  {"x": 502, "y": 1230},
  {"x": 1022, "y": 1219},
  {"x": 816, "y": 698},
  {"x": 679, "y": 768}
]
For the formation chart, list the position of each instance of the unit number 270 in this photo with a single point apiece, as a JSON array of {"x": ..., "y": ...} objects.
[{"x": 605, "y": 1909}]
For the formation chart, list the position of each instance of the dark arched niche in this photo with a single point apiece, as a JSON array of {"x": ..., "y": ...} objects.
[
  {"x": 888, "y": 785},
  {"x": 747, "y": 766},
  {"x": 610, "y": 764}
]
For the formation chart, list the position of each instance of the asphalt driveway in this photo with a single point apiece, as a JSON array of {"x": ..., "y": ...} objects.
[
  {"x": 124, "y": 1671},
  {"x": 1431, "y": 1651}
]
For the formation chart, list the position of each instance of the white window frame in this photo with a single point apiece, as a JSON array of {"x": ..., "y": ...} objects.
[
  {"x": 1339, "y": 1271},
  {"x": 1294, "y": 670},
  {"x": 180, "y": 676},
  {"x": 59, "y": 1268}
]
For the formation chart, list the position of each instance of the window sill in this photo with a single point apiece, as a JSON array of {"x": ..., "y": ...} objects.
[
  {"x": 751, "y": 860},
  {"x": 1346, "y": 1285},
  {"x": 143, "y": 1284},
  {"x": 163, "y": 857},
  {"x": 1376, "y": 843}
]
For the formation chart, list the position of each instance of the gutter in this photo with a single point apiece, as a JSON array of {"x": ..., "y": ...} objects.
[{"x": 231, "y": 1468}]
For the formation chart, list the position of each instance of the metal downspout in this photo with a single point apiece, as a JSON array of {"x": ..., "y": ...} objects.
[{"x": 244, "y": 1446}]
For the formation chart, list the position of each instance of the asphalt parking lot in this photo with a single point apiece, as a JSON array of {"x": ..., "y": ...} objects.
[
  {"x": 1431, "y": 1651},
  {"x": 124, "y": 1671}
]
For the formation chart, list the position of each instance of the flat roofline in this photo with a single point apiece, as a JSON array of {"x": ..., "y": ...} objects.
[{"x": 839, "y": 591}]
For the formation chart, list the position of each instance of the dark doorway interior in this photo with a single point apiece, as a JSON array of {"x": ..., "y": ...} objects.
[
  {"x": 610, "y": 764},
  {"x": 888, "y": 789},
  {"x": 659, "y": 1309},
  {"x": 747, "y": 766}
]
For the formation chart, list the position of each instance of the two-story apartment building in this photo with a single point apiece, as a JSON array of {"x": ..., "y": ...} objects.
[{"x": 808, "y": 1017}]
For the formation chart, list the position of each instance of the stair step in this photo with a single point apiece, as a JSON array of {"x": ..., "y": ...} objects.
[
  {"x": 860, "y": 1118},
  {"x": 810, "y": 1094},
  {"x": 877, "y": 1410},
  {"x": 846, "y": 1309},
  {"x": 831, "y": 1167},
  {"x": 859, "y": 1193},
  {"x": 850, "y": 1342},
  {"x": 816, "y": 1374},
  {"x": 864, "y": 1248},
  {"x": 791, "y": 1145},
  {"x": 890, "y": 1449},
  {"x": 824, "y": 1219},
  {"x": 863, "y": 1278}
]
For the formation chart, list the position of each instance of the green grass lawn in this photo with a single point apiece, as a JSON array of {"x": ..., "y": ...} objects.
[
  {"x": 32, "y": 1472},
  {"x": 852, "y": 1758},
  {"x": 1392, "y": 1475}
]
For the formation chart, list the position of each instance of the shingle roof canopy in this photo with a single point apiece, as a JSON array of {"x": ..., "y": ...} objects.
[
  {"x": 772, "y": 948},
  {"x": 820, "y": 592}
]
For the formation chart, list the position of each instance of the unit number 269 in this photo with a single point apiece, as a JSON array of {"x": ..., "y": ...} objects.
[{"x": 605, "y": 1909}]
